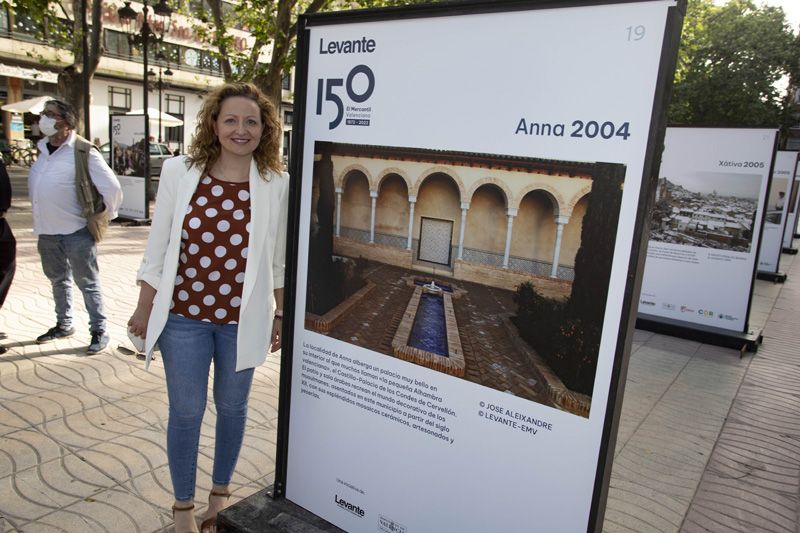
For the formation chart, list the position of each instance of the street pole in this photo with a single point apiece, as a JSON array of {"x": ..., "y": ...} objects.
[
  {"x": 159, "y": 104},
  {"x": 87, "y": 130},
  {"x": 146, "y": 90}
]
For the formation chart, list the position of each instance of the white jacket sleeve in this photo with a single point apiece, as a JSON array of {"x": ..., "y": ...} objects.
[{"x": 152, "y": 264}]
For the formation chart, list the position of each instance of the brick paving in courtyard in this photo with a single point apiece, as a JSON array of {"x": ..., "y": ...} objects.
[{"x": 491, "y": 358}]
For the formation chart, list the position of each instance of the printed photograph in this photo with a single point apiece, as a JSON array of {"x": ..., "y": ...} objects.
[
  {"x": 706, "y": 209},
  {"x": 491, "y": 268},
  {"x": 128, "y": 159},
  {"x": 778, "y": 200}
]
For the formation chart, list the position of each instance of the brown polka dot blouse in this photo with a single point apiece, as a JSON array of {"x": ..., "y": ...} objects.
[{"x": 208, "y": 285}]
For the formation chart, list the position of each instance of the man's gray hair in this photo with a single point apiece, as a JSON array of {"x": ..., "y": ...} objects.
[{"x": 67, "y": 111}]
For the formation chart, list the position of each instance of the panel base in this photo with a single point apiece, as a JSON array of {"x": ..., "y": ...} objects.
[
  {"x": 790, "y": 251},
  {"x": 260, "y": 512},
  {"x": 719, "y": 337},
  {"x": 775, "y": 277}
]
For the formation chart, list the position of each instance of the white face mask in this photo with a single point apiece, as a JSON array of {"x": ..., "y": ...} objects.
[{"x": 48, "y": 126}]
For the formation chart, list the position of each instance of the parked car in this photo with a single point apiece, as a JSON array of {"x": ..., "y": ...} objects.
[{"x": 158, "y": 153}]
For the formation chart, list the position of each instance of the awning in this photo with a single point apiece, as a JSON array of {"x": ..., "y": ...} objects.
[{"x": 26, "y": 73}]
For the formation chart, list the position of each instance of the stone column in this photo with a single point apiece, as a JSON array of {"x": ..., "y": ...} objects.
[
  {"x": 339, "y": 192},
  {"x": 464, "y": 208},
  {"x": 511, "y": 214},
  {"x": 561, "y": 221},
  {"x": 412, "y": 200},
  {"x": 374, "y": 200}
]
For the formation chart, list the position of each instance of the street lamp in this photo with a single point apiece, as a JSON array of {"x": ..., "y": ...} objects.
[
  {"x": 160, "y": 85},
  {"x": 142, "y": 36}
]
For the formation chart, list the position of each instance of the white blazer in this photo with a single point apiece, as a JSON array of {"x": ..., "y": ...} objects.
[{"x": 265, "y": 259}]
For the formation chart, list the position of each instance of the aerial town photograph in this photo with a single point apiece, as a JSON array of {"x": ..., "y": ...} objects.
[{"x": 707, "y": 210}]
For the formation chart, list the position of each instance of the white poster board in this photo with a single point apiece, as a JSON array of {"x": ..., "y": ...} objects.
[
  {"x": 404, "y": 122},
  {"x": 775, "y": 215},
  {"x": 127, "y": 161},
  {"x": 794, "y": 207},
  {"x": 705, "y": 226}
]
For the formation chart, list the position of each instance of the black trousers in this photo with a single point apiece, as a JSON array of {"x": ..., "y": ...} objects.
[{"x": 8, "y": 259}]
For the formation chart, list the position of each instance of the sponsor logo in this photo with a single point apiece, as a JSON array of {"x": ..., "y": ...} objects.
[
  {"x": 703, "y": 312},
  {"x": 727, "y": 317},
  {"x": 390, "y": 526},
  {"x": 668, "y": 307},
  {"x": 347, "y": 506},
  {"x": 685, "y": 309},
  {"x": 647, "y": 302}
]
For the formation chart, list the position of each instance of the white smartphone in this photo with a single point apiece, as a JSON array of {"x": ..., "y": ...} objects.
[{"x": 137, "y": 341}]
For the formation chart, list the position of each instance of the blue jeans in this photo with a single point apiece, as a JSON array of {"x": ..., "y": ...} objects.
[
  {"x": 187, "y": 349},
  {"x": 65, "y": 257}
]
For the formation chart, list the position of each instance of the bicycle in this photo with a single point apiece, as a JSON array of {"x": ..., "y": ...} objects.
[{"x": 22, "y": 153}]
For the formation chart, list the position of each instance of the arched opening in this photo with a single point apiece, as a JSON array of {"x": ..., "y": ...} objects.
[
  {"x": 391, "y": 218},
  {"x": 356, "y": 206},
  {"x": 535, "y": 231},
  {"x": 437, "y": 219},
  {"x": 485, "y": 231}
]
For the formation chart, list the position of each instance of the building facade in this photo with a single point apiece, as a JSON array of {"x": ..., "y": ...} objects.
[{"x": 29, "y": 67}]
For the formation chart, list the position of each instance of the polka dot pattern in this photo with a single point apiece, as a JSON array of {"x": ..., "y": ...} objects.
[{"x": 210, "y": 278}]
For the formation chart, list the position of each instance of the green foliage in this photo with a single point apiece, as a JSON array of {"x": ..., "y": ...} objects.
[
  {"x": 273, "y": 28},
  {"x": 729, "y": 61}
]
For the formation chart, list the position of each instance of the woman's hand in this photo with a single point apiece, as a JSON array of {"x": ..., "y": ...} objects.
[
  {"x": 275, "y": 338},
  {"x": 137, "y": 324}
]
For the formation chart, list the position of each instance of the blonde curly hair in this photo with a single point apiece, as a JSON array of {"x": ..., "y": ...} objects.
[{"x": 205, "y": 148}]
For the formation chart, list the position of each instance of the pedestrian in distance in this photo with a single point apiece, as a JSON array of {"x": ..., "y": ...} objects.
[
  {"x": 8, "y": 245},
  {"x": 211, "y": 282},
  {"x": 67, "y": 249}
]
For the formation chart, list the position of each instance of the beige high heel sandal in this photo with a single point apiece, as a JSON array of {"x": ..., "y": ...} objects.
[
  {"x": 210, "y": 524},
  {"x": 180, "y": 510}
]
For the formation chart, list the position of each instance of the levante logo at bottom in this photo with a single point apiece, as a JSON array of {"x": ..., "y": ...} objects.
[{"x": 344, "y": 504}]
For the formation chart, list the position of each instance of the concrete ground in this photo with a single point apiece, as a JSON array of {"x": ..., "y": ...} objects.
[{"x": 708, "y": 441}]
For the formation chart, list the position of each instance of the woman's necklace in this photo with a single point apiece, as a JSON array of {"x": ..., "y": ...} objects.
[{"x": 238, "y": 176}]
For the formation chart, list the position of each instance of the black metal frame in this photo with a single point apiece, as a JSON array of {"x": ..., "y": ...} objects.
[{"x": 667, "y": 63}]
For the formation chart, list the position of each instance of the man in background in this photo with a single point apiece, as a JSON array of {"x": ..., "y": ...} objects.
[{"x": 67, "y": 249}]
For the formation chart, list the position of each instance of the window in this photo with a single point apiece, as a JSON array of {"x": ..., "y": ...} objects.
[
  {"x": 117, "y": 44},
  {"x": 119, "y": 99},
  {"x": 288, "y": 116},
  {"x": 286, "y": 82},
  {"x": 175, "y": 106}
]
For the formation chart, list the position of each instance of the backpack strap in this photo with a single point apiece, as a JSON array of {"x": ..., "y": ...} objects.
[{"x": 90, "y": 199}]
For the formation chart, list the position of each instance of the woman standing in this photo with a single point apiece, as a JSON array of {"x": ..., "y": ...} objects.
[{"x": 211, "y": 282}]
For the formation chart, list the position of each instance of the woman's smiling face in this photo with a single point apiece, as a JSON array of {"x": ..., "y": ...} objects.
[{"x": 239, "y": 126}]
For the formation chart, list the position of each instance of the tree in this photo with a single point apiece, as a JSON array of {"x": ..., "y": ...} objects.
[
  {"x": 730, "y": 60},
  {"x": 273, "y": 28},
  {"x": 61, "y": 26}
]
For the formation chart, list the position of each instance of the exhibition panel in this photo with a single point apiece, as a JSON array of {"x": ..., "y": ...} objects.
[
  {"x": 781, "y": 192},
  {"x": 706, "y": 227},
  {"x": 466, "y": 259}
]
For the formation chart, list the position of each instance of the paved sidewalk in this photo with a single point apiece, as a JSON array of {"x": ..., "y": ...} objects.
[{"x": 82, "y": 438}]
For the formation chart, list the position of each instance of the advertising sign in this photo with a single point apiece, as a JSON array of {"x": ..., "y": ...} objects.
[
  {"x": 791, "y": 220},
  {"x": 127, "y": 160},
  {"x": 706, "y": 225},
  {"x": 463, "y": 279},
  {"x": 781, "y": 192}
]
